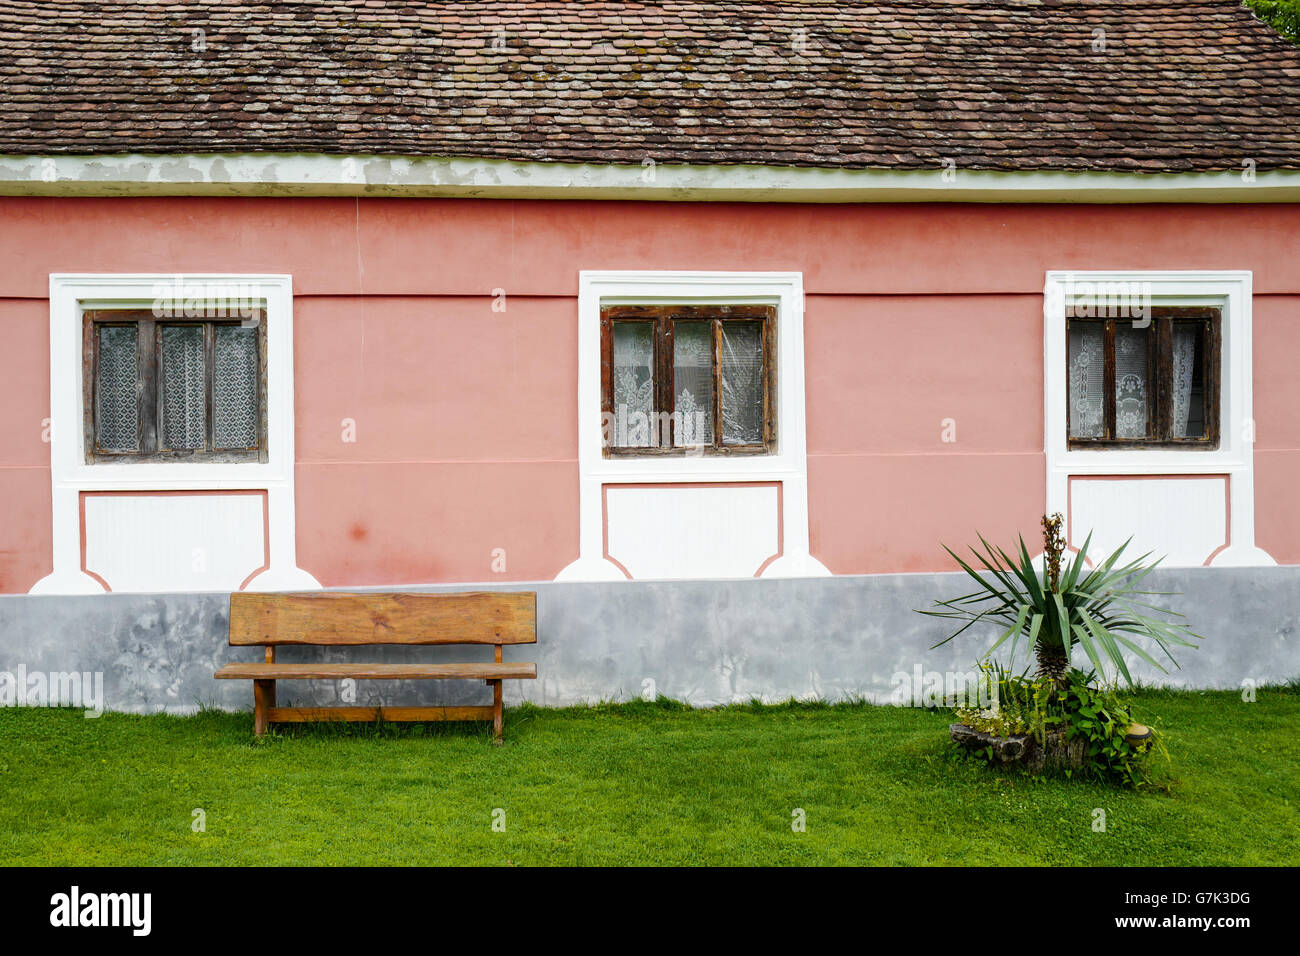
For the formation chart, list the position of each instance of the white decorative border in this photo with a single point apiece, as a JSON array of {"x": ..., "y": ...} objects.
[
  {"x": 789, "y": 465},
  {"x": 70, "y": 295},
  {"x": 1229, "y": 290}
]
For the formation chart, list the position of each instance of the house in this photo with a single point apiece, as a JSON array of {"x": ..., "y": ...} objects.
[{"x": 391, "y": 294}]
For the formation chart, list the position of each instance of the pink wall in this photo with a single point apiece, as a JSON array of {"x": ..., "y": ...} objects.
[
  {"x": 1277, "y": 424},
  {"x": 465, "y": 417},
  {"x": 885, "y": 376},
  {"x": 465, "y": 437},
  {"x": 25, "y": 531}
]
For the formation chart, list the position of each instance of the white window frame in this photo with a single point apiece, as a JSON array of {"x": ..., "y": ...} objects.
[
  {"x": 788, "y": 464},
  {"x": 70, "y": 296},
  {"x": 1229, "y": 291}
]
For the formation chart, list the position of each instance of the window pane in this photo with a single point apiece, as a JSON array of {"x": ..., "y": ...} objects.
[
  {"x": 182, "y": 387},
  {"x": 1131, "y": 385},
  {"x": 1189, "y": 380},
  {"x": 633, "y": 383},
  {"x": 117, "y": 424},
  {"x": 1087, "y": 363},
  {"x": 234, "y": 387},
  {"x": 693, "y": 381},
  {"x": 742, "y": 383}
]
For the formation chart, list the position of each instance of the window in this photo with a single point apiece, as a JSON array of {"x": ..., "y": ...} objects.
[
  {"x": 688, "y": 379},
  {"x": 1144, "y": 383},
  {"x": 162, "y": 390}
]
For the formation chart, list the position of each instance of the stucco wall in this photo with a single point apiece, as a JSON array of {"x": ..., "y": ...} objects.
[
  {"x": 465, "y": 416},
  {"x": 1277, "y": 445},
  {"x": 704, "y": 642}
]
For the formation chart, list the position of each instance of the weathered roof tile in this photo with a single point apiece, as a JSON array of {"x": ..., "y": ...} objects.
[{"x": 1151, "y": 85}]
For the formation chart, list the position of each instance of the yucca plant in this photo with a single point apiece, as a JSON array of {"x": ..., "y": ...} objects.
[{"x": 1101, "y": 610}]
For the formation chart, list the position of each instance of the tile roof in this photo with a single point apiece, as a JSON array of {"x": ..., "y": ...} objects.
[{"x": 1137, "y": 85}]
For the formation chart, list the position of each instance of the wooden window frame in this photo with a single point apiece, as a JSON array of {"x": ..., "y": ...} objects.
[
  {"x": 662, "y": 318},
  {"x": 1160, "y": 375},
  {"x": 149, "y": 396}
]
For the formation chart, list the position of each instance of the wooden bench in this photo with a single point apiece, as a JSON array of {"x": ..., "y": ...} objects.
[{"x": 337, "y": 619}]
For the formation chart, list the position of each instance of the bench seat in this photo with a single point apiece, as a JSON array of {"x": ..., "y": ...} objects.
[
  {"x": 361, "y": 619},
  {"x": 330, "y": 671}
]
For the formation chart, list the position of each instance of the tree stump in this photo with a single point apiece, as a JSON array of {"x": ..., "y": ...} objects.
[{"x": 1025, "y": 749}]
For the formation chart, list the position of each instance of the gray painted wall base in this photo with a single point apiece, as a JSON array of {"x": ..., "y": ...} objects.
[{"x": 703, "y": 642}]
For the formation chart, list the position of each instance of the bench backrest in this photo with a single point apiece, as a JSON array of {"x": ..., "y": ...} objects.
[{"x": 333, "y": 617}]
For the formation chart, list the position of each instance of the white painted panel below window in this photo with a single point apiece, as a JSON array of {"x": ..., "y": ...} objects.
[
  {"x": 176, "y": 542},
  {"x": 1183, "y": 519},
  {"x": 684, "y": 531}
]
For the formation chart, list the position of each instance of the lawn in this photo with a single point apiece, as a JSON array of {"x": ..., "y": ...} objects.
[{"x": 635, "y": 784}]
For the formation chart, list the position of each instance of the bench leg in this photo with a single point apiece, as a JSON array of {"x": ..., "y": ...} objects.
[
  {"x": 496, "y": 712},
  {"x": 263, "y": 701}
]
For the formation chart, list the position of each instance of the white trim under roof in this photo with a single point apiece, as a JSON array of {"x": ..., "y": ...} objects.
[{"x": 303, "y": 174}]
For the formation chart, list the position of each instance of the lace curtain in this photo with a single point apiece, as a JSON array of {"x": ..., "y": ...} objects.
[
  {"x": 740, "y": 380},
  {"x": 742, "y": 383},
  {"x": 1184, "y": 371},
  {"x": 234, "y": 387},
  {"x": 633, "y": 382},
  {"x": 118, "y": 418},
  {"x": 184, "y": 409},
  {"x": 1087, "y": 370},
  {"x": 1087, "y": 375},
  {"x": 693, "y": 380},
  {"x": 1130, "y": 381}
]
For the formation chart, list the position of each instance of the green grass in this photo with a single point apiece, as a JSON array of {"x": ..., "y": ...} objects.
[{"x": 635, "y": 784}]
